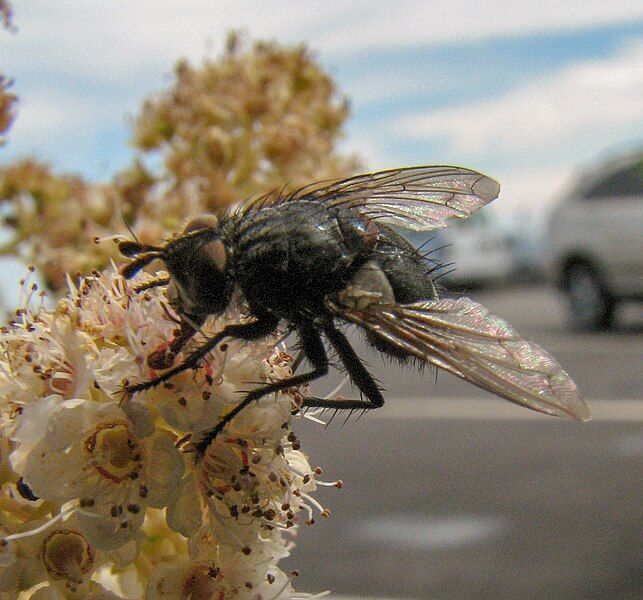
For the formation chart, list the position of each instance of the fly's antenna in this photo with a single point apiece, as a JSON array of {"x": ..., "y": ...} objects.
[
  {"x": 142, "y": 260},
  {"x": 129, "y": 227},
  {"x": 132, "y": 249},
  {"x": 143, "y": 254}
]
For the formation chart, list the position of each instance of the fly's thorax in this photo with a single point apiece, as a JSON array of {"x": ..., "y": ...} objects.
[{"x": 288, "y": 258}]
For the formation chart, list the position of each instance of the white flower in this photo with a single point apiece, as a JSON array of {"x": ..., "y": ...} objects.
[
  {"x": 196, "y": 399},
  {"x": 92, "y": 591},
  {"x": 68, "y": 558},
  {"x": 252, "y": 486},
  {"x": 105, "y": 307},
  {"x": 221, "y": 579},
  {"x": 191, "y": 400},
  {"x": 29, "y": 426},
  {"x": 57, "y": 553},
  {"x": 92, "y": 453},
  {"x": 43, "y": 356},
  {"x": 185, "y": 515},
  {"x": 88, "y": 483}
]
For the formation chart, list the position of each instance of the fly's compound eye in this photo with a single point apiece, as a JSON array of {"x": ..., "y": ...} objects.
[
  {"x": 216, "y": 254},
  {"x": 200, "y": 222},
  {"x": 172, "y": 295}
]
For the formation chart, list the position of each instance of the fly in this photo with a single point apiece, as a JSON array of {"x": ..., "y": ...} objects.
[{"x": 328, "y": 255}]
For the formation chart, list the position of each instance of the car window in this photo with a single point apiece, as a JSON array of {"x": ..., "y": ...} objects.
[{"x": 624, "y": 182}]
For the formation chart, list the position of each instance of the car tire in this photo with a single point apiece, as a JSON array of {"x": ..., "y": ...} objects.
[{"x": 591, "y": 306}]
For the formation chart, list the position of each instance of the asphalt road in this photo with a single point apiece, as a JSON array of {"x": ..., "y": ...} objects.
[{"x": 450, "y": 493}]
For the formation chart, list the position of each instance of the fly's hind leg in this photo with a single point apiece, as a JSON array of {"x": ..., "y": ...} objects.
[{"x": 357, "y": 372}]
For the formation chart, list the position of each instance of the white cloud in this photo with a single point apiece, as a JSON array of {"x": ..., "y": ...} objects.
[
  {"x": 368, "y": 149},
  {"x": 122, "y": 39},
  {"x": 54, "y": 113},
  {"x": 412, "y": 22},
  {"x": 75, "y": 133},
  {"x": 590, "y": 104},
  {"x": 113, "y": 53}
]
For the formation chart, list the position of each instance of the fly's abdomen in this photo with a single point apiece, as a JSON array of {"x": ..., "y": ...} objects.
[
  {"x": 407, "y": 273},
  {"x": 405, "y": 268}
]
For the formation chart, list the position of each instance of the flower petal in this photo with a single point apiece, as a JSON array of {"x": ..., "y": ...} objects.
[
  {"x": 163, "y": 469},
  {"x": 185, "y": 514},
  {"x": 107, "y": 533}
]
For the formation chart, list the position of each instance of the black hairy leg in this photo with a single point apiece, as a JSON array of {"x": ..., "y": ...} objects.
[
  {"x": 163, "y": 359},
  {"x": 356, "y": 371},
  {"x": 158, "y": 282},
  {"x": 264, "y": 325},
  {"x": 313, "y": 347}
]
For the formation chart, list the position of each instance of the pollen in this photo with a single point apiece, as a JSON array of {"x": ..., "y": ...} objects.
[
  {"x": 199, "y": 584},
  {"x": 67, "y": 556},
  {"x": 113, "y": 452}
]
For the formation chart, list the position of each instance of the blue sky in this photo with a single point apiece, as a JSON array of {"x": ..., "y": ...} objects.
[{"x": 524, "y": 92}]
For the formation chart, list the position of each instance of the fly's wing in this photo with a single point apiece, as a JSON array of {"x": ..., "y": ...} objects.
[
  {"x": 462, "y": 337},
  {"x": 417, "y": 198}
]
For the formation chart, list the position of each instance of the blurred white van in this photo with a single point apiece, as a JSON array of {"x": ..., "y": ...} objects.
[
  {"x": 475, "y": 251},
  {"x": 595, "y": 242}
]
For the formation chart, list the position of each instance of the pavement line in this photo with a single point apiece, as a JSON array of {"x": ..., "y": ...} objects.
[
  {"x": 422, "y": 532},
  {"x": 483, "y": 409},
  {"x": 333, "y": 597}
]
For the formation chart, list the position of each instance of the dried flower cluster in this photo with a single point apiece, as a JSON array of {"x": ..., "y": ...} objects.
[
  {"x": 254, "y": 120},
  {"x": 7, "y": 107},
  {"x": 7, "y": 99},
  {"x": 100, "y": 497},
  {"x": 55, "y": 220},
  {"x": 6, "y": 16},
  {"x": 249, "y": 122}
]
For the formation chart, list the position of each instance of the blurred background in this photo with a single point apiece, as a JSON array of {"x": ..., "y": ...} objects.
[{"x": 148, "y": 112}]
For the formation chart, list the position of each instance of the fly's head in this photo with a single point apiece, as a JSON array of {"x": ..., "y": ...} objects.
[{"x": 197, "y": 263}]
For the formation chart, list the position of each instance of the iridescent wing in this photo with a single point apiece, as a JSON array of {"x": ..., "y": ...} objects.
[
  {"x": 462, "y": 337},
  {"x": 417, "y": 198}
]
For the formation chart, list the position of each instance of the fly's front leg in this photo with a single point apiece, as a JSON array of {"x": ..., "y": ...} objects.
[
  {"x": 158, "y": 282},
  {"x": 312, "y": 347},
  {"x": 163, "y": 359},
  {"x": 264, "y": 325}
]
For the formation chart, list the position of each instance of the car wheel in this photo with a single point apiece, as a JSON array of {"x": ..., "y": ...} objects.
[{"x": 591, "y": 306}]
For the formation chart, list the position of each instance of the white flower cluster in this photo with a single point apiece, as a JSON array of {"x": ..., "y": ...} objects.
[{"x": 100, "y": 497}]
